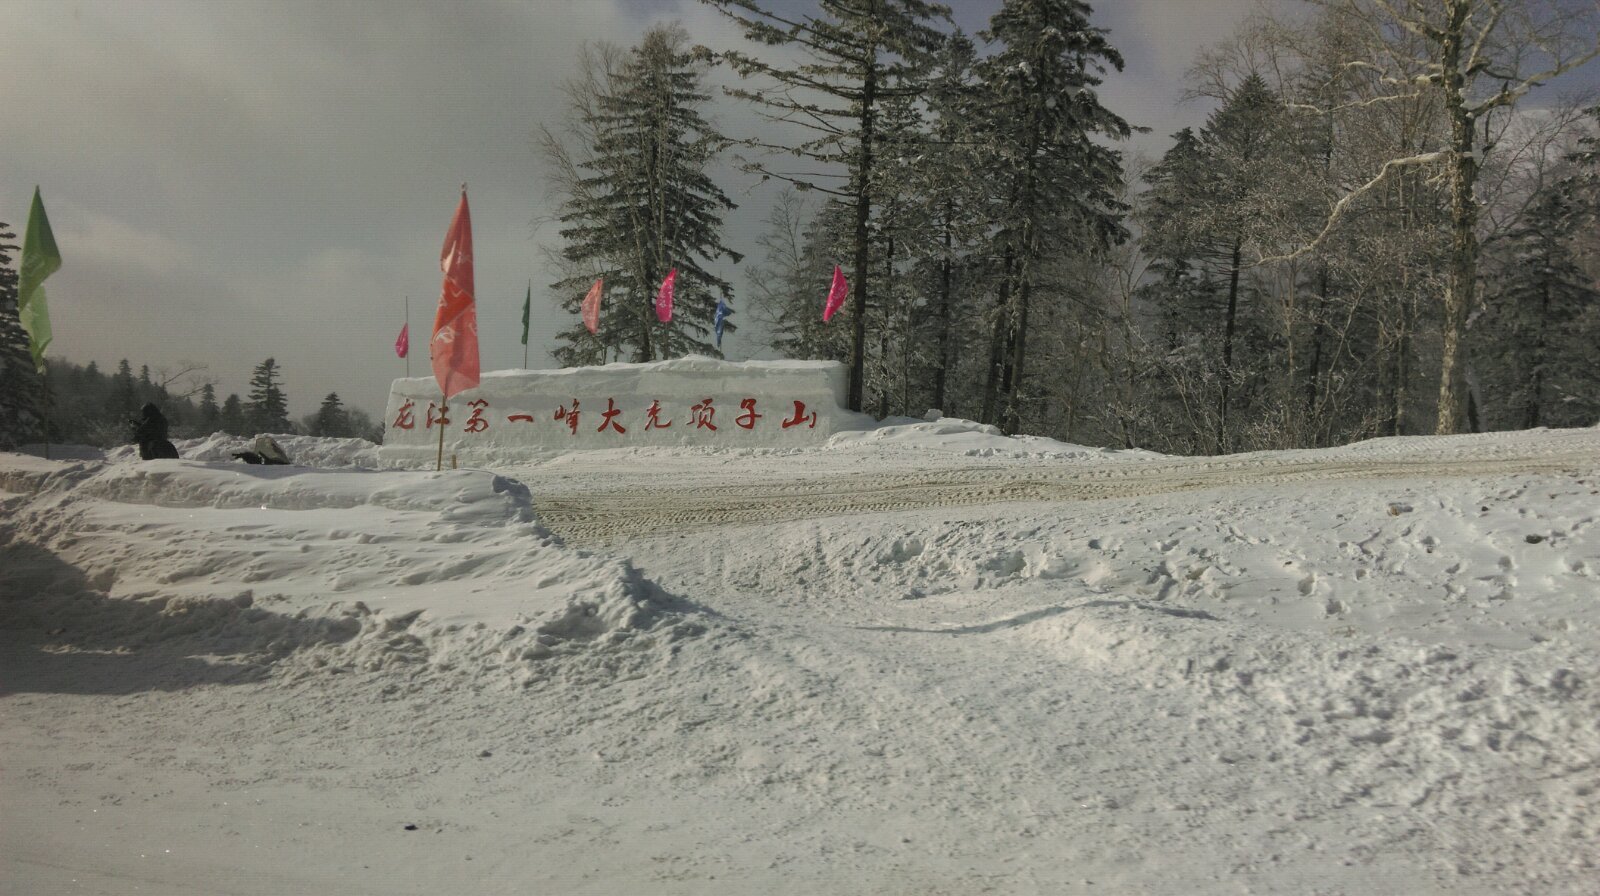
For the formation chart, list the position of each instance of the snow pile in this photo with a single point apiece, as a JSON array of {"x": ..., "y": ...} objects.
[
  {"x": 969, "y": 439},
  {"x": 257, "y": 558},
  {"x": 305, "y": 451}
]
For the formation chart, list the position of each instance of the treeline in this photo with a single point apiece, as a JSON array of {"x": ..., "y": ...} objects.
[
  {"x": 1371, "y": 235},
  {"x": 90, "y": 407}
]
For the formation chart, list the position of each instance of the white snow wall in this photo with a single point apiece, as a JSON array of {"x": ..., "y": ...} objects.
[{"x": 690, "y": 401}]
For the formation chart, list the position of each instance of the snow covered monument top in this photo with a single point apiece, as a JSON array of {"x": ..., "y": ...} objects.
[{"x": 695, "y": 400}]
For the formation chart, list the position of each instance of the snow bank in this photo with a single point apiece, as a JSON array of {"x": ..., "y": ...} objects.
[
  {"x": 693, "y": 401},
  {"x": 953, "y": 435},
  {"x": 295, "y": 567}
]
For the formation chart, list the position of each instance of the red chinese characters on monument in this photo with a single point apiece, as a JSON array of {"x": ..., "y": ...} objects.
[
  {"x": 748, "y": 419},
  {"x": 703, "y": 414},
  {"x": 800, "y": 417},
  {"x": 404, "y": 419},
  {"x": 476, "y": 423},
  {"x": 610, "y": 412},
  {"x": 653, "y": 417},
  {"x": 571, "y": 416},
  {"x": 440, "y": 419}
]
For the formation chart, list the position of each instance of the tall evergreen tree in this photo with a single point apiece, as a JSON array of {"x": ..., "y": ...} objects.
[
  {"x": 268, "y": 409},
  {"x": 1538, "y": 332},
  {"x": 1055, "y": 185},
  {"x": 123, "y": 400},
  {"x": 861, "y": 52},
  {"x": 210, "y": 413},
  {"x": 640, "y": 204},
  {"x": 330, "y": 420},
  {"x": 232, "y": 419},
  {"x": 22, "y": 398},
  {"x": 950, "y": 223},
  {"x": 1215, "y": 201}
]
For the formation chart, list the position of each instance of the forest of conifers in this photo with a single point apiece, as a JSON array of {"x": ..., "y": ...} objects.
[{"x": 1387, "y": 225}]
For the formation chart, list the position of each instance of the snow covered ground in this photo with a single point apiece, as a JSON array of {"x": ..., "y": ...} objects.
[{"x": 918, "y": 659}]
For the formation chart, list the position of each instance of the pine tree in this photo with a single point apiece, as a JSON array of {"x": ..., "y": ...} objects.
[
  {"x": 267, "y": 410},
  {"x": 21, "y": 390},
  {"x": 232, "y": 419},
  {"x": 1054, "y": 184},
  {"x": 640, "y": 204},
  {"x": 861, "y": 53},
  {"x": 123, "y": 401},
  {"x": 330, "y": 420},
  {"x": 1537, "y": 335},
  {"x": 210, "y": 414},
  {"x": 950, "y": 225}
]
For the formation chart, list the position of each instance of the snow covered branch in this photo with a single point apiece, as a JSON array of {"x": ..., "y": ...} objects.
[{"x": 1345, "y": 202}]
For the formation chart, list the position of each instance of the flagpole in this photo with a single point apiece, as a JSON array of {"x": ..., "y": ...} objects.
[
  {"x": 45, "y": 377},
  {"x": 443, "y": 410},
  {"x": 525, "y": 329}
]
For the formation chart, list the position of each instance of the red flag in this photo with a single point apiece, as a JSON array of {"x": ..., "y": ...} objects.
[
  {"x": 664, "y": 297},
  {"x": 402, "y": 344},
  {"x": 836, "y": 293},
  {"x": 455, "y": 326},
  {"x": 591, "y": 306}
]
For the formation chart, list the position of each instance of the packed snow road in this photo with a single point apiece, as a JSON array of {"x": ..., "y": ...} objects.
[{"x": 584, "y": 509}]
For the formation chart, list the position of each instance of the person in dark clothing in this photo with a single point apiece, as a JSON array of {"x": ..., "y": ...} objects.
[{"x": 150, "y": 431}]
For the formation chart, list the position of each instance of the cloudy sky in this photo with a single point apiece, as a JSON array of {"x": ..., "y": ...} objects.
[{"x": 236, "y": 179}]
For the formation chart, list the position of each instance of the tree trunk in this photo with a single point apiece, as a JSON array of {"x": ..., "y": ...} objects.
[
  {"x": 1011, "y": 420},
  {"x": 939, "y": 373},
  {"x": 884, "y": 330},
  {"x": 1461, "y": 287},
  {"x": 998, "y": 348},
  {"x": 1314, "y": 370},
  {"x": 1227, "y": 344},
  {"x": 1535, "y": 406},
  {"x": 1023, "y": 205},
  {"x": 858, "y": 305}
]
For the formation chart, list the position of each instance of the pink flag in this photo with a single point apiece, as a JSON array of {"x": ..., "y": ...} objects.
[
  {"x": 664, "y": 297},
  {"x": 455, "y": 326},
  {"x": 836, "y": 293},
  {"x": 591, "y": 306},
  {"x": 402, "y": 344}
]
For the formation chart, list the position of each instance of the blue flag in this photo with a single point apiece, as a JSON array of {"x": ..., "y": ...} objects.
[{"x": 722, "y": 314}]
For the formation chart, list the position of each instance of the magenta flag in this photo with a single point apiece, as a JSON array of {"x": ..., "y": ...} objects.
[
  {"x": 591, "y": 306},
  {"x": 836, "y": 293},
  {"x": 664, "y": 297},
  {"x": 402, "y": 344}
]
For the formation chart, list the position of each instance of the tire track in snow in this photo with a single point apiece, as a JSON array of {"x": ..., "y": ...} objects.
[{"x": 599, "y": 514}]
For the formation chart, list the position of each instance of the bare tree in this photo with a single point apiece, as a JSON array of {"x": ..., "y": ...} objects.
[{"x": 1475, "y": 56}]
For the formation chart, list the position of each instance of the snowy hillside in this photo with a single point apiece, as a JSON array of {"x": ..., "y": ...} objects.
[{"x": 918, "y": 659}]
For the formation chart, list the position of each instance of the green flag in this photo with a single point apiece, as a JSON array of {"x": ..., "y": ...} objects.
[
  {"x": 40, "y": 259},
  {"x": 526, "y": 303}
]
